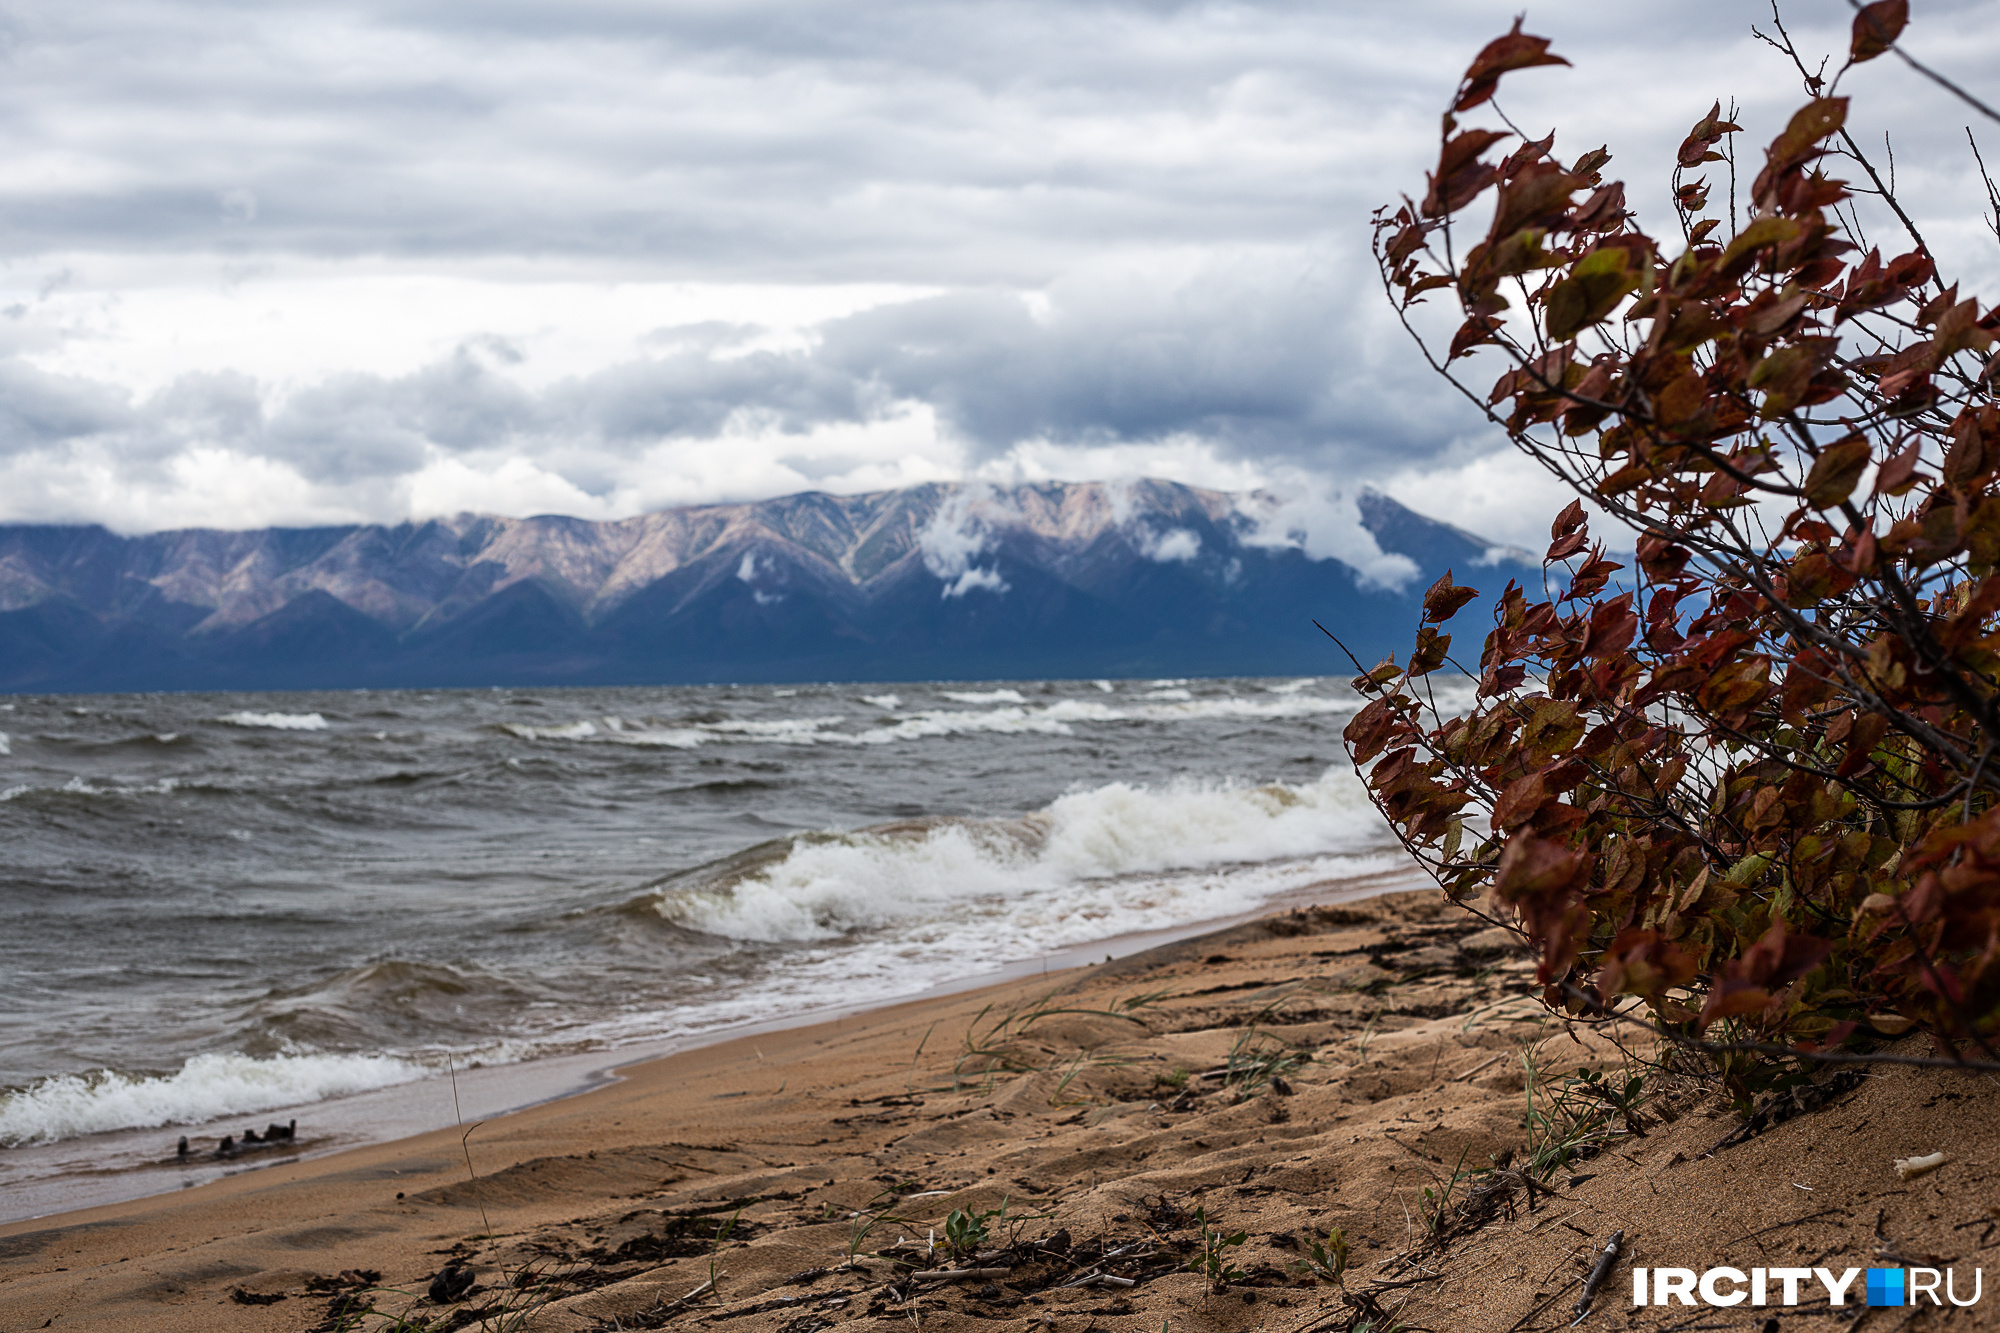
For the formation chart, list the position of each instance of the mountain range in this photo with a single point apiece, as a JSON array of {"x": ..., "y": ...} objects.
[{"x": 940, "y": 581}]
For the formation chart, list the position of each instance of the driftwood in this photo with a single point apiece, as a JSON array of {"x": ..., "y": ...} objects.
[
  {"x": 959, "y": 1274},
  {"x": 1599, "y": 1271}
]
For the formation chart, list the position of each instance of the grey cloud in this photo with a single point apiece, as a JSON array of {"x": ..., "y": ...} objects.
[
  {"x": 1260, "y": 358},
  {"x": 958, "y": 144},
  {"x": 695, "y": 393},
  {"x": 37, "y": 408}
]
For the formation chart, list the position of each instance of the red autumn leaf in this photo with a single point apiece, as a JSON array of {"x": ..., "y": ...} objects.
[
  {"x": 1371, "y": 729},
  {"x": 1479, "y": 329},
  {"x": 1520, "y": 802},
  {"x": 1876, "y": 28},
  {"x": 1613, "y": 626},
  {"x": 1532, "y": 867},
  {"x": 1443, "y": 600},
  {"x": 1562, "y": 548},
  {"x": 1644, "y": 962},
  {"x": 1899, "y": 473},
  {"x": 1461, "y": 177},
  {"x": 1837, "y": 471},
  {"x": 1517, "y": 50}
]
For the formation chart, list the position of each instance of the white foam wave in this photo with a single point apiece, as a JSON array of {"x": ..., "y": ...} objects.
[
  {"x": 1092, "y": 861},
  {"x": 77, "y": 786},
  {"x": 889, "y": 701},
  {"x": 1001, "y": 696},
  {"x": 1168, "y": 704},
  {"x": 276, "y": 721},
  {"x": 6, "y": 747},
  {"x": 950, "y": 722},
  {"x": 1292, "y": 686},
  {"x": 573, "y": 731},
  {"x": 205, "y": 1088}
]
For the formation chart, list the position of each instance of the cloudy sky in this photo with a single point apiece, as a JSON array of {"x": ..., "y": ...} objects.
[{"x": 300, "y": 262}]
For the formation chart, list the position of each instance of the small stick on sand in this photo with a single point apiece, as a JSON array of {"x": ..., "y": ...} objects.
[
  {"x": 1484, "y": 1064},
  {"x": 1101, "y": 1279},
  {"x": 672, "y": 1307},
  {"x": 959, "y": 1274},
  {"x": 1600, "y": 1270}
]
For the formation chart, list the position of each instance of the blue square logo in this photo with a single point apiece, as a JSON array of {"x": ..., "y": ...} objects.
[{"x": 1885, "y": 1286}]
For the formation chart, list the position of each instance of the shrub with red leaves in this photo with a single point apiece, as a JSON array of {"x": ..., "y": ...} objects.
[{"x": 1752, "y": 780}]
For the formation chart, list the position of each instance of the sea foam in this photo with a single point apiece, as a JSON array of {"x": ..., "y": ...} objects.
[
  {"x": 1091, "y": 860},
  {"x": 205, "y": 1088},
  {"x": 276, "y": 721}
]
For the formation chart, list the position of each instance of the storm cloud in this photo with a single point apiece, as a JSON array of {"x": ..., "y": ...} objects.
[{"x": 314, "y": 263}]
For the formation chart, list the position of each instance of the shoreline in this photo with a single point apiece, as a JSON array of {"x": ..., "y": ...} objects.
[
  {"x": 430, "y": 1103},
  {"x": 1313, "y": 1071}
]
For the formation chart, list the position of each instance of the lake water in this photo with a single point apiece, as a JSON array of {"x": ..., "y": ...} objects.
[{"x": 216, "y": 908}]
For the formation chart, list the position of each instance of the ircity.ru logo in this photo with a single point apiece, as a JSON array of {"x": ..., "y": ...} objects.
[{"x": 1759, "y": 1286}]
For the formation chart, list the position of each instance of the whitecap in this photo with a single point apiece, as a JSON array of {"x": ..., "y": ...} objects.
[
  {"x": 950, "y": 722},
  {"x": 574, "y": 731},
  {"x": 680, "y": 739},
  {"x": 889, "y": 701},
  {"x": 787, "y": 730},
  {"x": 1000, "y": 696},
  {"x": 206, "y": 1087},
  {"x": 276, "y": 721},
  {"x": 1090, "y": 862},
  {"x": 1292, "y": 686},
  {"x": 5, "y": 748}
]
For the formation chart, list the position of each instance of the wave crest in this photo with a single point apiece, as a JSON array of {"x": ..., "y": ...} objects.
[
  {"x": 1097, "y": 855},
  {"x": 205, "y": 1088},
  {"x": 276, "y": 721}
]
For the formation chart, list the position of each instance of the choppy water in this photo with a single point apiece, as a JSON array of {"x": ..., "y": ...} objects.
[{"x": 218, "y": 906}]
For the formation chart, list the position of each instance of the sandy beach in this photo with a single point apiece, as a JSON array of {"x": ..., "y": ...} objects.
[{"x": 1110, "y": 1131}]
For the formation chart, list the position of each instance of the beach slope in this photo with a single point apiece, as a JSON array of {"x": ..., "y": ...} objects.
[{"x": 1104, "y": 1137}]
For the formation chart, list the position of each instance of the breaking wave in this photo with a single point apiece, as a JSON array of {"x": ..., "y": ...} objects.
[
  {"x": 1092, "y": 864},
  {"x": 205, "y": 1088},
  {"x": 276, "y": 721}
]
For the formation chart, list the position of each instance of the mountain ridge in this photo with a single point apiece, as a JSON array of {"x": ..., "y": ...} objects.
[{"x": 937, "y": 580}]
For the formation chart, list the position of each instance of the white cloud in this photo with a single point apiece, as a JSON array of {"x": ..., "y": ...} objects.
[
  {"x": 971, "y": 579},
  {"x": 1324, "y": 521},
  {"x": 959, "y": 533},
  {"x": 1180, "y": 544}
]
